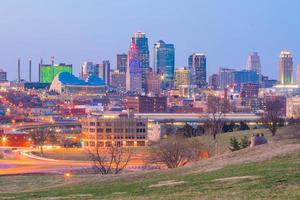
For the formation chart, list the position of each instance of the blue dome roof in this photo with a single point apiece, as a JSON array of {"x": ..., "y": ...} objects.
[
  {"x": 69, "y": 79},
  {"x": 94, "y": 80}
]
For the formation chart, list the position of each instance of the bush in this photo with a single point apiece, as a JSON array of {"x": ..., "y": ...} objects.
[{"x": 235, "y": 145}]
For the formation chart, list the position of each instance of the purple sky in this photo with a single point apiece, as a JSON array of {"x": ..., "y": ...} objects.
[{"x": 78, "y": 30}]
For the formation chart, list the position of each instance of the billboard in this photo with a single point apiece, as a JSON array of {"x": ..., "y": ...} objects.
[{"x": 48, "y": 72}]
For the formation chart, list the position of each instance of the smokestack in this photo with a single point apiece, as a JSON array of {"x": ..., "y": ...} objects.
[
  {"x": 40, "y": 65},
  {"x": 30, "y": 71},
  {"x": 52, "y": 59},
  {"x": 19, "y": 71}
]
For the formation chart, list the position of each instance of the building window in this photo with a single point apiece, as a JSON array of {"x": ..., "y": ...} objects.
[
  {"x": 92, "y": 124},
  {"x": 108, "y": 130}
]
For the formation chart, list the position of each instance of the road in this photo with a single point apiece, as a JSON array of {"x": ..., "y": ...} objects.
[{"x": 18, "y": 163}]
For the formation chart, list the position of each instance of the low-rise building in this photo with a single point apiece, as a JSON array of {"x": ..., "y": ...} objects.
[
  {"x": 293, "y": 107},
  {"x": 118, "y": 129}
]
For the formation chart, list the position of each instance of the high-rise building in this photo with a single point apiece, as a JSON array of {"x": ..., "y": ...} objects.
[
  {"x": 3, "y": 75},
  {"x": 164, "y": 61},
  {"x": 213, "y": 81},
  {"x": 285, "y": 68},
  {"x": 225, "y": 77},
  {"x": 197, "y": 63},
  {"x": 298, "y": 74},
  {"x": 182, "y": 77},
  {"x": 153, "y": 83},
  {"x": 138, "y": 63},
  {"x": 253, "y": 63},
  {"x": 245, "y": 76},
  {"x": 47, "y": 72},
  {"x": 122, "y": 62},
  {"x": 87, "y": 69},
  {"x": 104, "y": 71},
  {"x": 118, "y": 79}
]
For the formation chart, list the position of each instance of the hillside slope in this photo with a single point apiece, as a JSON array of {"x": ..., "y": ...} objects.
[{"x": 269, "y": 171}]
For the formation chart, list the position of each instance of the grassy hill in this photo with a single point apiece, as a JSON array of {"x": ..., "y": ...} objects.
[{"x": 265, "y": 172}]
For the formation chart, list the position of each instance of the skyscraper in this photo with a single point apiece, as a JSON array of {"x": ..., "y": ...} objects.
[
  {"x": 253, "y": 63},
  {"x": 298, "y": 74},
  {"x": 138, "y": 63},
  {"x": 104, "y": 71},
  {"x": 197, "y": 63},
  {"x": 122, "y": 62},
  {"x": 164, "y": 61},
  {"x": 3, "y": 75},
  {"x": 87, "y": 69},
  {"x": 285, "y": 68},
  {"x": 226, "y": 77},
  {"x": 213, "y": 81}
]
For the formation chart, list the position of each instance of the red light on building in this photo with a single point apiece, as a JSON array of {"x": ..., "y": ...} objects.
[{"x": 15, "y": 139}]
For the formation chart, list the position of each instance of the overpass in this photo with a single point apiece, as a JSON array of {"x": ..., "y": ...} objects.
[{"x": 194, "y": 117}]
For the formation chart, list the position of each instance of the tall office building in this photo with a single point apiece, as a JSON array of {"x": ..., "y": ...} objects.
[
  {"x": 164, "y": 61},
  {"x": 213, "y": 81},
  {"x": 3, "y": 75},
  {"x": 253, "y": 63},
  {"x": 87, "y": 69},
  {"x": 118, "y": 80},
  {"x": 245, "y": 76},
  {"x": 138, "y": 63},
  {"x": 104, "y": 71},
  {"x": 225, "y": 77},
  {"x": 153, "y": 83},
  {"x": 47, "y": 72},
  {"x": 197, "y": 63},
  {"x": 122, "y": 62},
  {"x": 298, "y": 74},
  {"x": 285, "y": 68}
]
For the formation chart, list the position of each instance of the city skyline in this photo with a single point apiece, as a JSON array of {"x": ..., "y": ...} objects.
[{"x": 22, "y": 38}]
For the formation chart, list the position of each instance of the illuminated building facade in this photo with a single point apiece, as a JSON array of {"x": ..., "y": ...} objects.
[
  {"x": 48, "y": 72},
  {"x": 138, "y": 63},
  {"x": 164, "y": 62},
  {"x": 117, "y": 129},
  {"x": 197, "y": 63},
  {"x": 118, "y": 79},
  {"x": 298, "y": 75},
  {"x": 182, "y": 77},
  {"x": 285, "y": 68},
  {"x": 225, "y": 77},
  {"x": 122, "y": 62}
]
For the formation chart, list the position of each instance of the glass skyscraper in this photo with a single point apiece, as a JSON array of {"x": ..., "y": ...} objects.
[
  {"x": 285, "y": 68},
  {"x": 197, "y": 63},
  {"x": 164, "y": 61},
  {"x": 138, "y": 63}
]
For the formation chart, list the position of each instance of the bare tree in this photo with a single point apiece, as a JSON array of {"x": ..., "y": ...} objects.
[
  {"x": 175, "y": 152},
  {"x": 40, "y": 137},
  {"x": 112, "y": 160},
  {"x": 217, "y": 109},
  {"x": 272, "y": 116}
]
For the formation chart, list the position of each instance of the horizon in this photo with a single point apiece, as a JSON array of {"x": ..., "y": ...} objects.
[{"x": 73, "y": 36}]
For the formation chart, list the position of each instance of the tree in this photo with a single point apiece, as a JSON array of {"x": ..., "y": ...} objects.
[
  {"x": 243, "y": 126},
  {"x": 234, "y": 144},
  {"x": 40, "y": 137},
  {"x": 189, "y": 131},
  {"x": 111, "y": 160},
  {"x": 217, "y": 108},
  {"x": 271, "y": 118},
  {"x": 175, "y": 152},
  {"x": 244, "y": 142}
]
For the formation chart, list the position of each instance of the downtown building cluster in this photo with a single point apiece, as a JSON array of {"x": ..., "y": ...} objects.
[{"x": 112, "y": 103}]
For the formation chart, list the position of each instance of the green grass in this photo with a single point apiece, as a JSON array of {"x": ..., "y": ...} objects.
[{"x": 278, "y": 178}]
